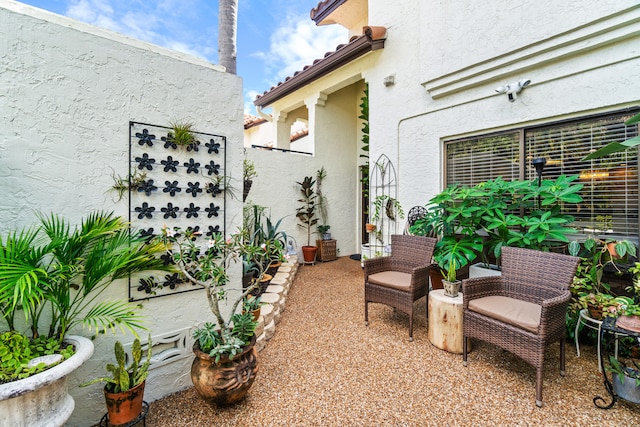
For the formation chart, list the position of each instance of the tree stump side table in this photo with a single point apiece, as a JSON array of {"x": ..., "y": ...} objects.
[{"x": 445, "y": 321}]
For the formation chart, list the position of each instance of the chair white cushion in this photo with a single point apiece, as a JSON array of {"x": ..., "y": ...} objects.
[
  {"x": 391, "y": 279},
  {"x": 521, "y": 314}
]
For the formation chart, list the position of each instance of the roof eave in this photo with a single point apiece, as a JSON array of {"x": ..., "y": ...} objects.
[
  {"x": 357, "y": 48},
  {"x": 324, "y": 9}
]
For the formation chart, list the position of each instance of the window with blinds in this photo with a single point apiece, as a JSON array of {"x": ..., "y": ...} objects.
[{"x": 610, "y": 192}]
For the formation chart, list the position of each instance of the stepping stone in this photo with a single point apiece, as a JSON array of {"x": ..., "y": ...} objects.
[
  {"x": 275, "y": 289},
  {"x": 261, "y": 342},
  {"x": 266, "y": 314},
  {"x": 273, "y": 299},
  {"x": 269, "y": 330}
]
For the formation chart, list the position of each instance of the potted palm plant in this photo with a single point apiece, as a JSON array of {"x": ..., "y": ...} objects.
[
  {"x": 124, "y": 391},
  {"x": 225, "y": 363},
  {"x": 52, "y": 275},
  {"x": 306, "y": 214}
]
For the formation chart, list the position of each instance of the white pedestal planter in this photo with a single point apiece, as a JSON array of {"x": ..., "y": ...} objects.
[
  {"x": 43, "y": 399},
  {"x": 479, "y": 270}
]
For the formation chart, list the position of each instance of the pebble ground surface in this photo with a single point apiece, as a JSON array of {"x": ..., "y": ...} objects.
[{"x": 324, "y": 367}]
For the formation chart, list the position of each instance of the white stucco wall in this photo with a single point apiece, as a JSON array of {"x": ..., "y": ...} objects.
[
  {"x": 67, "y": 93},
  {"x": 449, "y": 57}
]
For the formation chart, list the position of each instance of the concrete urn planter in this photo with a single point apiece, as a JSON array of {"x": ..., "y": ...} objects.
[{"x": 43, "y": 399}]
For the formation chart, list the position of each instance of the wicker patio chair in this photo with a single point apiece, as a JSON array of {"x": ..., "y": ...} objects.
[
  {"x": 523, "y": 311},
  {"x": 400, "y": 279}
]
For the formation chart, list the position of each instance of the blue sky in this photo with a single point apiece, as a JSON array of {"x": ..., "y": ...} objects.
[{"x": 275, "y": 37}]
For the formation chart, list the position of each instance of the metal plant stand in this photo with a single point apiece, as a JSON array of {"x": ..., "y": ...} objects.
[
  {"x": 141, "y": 418},
  {"x": 610, "y": 333}
]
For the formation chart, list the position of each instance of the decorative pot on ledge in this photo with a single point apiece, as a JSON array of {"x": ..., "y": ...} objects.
[{"x": 43, "y": 399}]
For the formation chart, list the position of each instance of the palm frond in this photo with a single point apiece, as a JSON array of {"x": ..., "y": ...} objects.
[{"x": 109, "y": 315}]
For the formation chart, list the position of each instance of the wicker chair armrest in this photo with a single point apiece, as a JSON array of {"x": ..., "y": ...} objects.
[
  {"x": 479, "y": 287},
  {"x": 420, "y": 276},
  {"x": 376, "y": 265},
  {"x": 553, "y": 313}
]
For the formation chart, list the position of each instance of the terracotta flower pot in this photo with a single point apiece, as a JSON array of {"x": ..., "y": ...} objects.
[
  {"x": 309, "y": 253},
  {"x": 225, "y": 382},
  {"x": 125, "y": 406}
]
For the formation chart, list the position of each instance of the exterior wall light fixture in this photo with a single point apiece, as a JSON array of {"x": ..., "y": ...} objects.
[{"x": 513, "y": 89}]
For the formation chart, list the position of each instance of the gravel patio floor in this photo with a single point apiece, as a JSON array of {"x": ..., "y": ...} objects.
[{"x": 324, "y": 367}]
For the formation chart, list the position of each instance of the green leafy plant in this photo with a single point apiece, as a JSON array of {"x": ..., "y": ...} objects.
[
  {"x": 251, "y": 303},
  {"x": 56, "y": 273},
  {"x": 131, "y": 182},
  {"x": 248, "y": 170},
  {"x": 126, "y": 377},
  {"x": 323, "y": 228},
  {"x": 206, "y": 264},
  {"x": 17, "y": 350},
  {"x": 306, "y": 213},
  {"x": 452, "y": 254},
  {"x": 623, "y": 371}
]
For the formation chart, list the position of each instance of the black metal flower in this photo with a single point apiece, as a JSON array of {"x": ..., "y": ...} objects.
[
  {"x": 147, "y": 284},
  {"x": 213, "y": 189},
  {"x": 170, "y": 164},
  {"x": 192, "y": 166},
  {"x": 193, "y": 146},
  {"x": 147, "y": 187},
  {"x": 172, "y": 280},
  {"x": 212, "y": 210},
  {"x": 213, "y": 230},
  {"x": 145, "y": 211},
  {"x": 169, "y": 141},
  {"x": 212, "y": 168},
  {"x": 170, "y": 211},
  {"x": 171, "y": 188},
  {"x": 194, "y": 188},
  {"x": 145, "y": 162},
  {"x": 145, "y": 138},
  {"x": 192, "y": 211},
  {"x": 214, "y": 147},
  {"x": 148, "y": 233},
  {"x": 193, "y": 231},
  {"x": 167, "y": 259}
]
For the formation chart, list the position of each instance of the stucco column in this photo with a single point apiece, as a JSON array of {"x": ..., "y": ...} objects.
[{"x": 282, "y": 129}]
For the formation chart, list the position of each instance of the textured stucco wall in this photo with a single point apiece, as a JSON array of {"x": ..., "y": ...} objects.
[
  {"x": 449, "y": 57},
  {"x": 67, "y": 93}
]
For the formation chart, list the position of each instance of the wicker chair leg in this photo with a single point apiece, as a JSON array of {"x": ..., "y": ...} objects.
[
  {"x": 539, "y": 387},
  {"x": 411, "y": 326},
  {"x": 563, "y": 359},
  {"x": 366, "y": 313},
  {"x": 465, "y": 340}
]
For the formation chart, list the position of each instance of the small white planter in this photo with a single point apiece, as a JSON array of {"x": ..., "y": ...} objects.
[
  {"x": 43, "y": 399},
  {"x": 479, "y": 270}
]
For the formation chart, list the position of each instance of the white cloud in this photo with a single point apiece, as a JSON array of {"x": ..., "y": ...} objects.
[
  {"x": 298, "y": 42},
  {"x": 170, "y": 23}
]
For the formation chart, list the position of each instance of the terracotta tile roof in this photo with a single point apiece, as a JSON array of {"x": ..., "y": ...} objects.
[
  {"x": 324, "y": 8},
  {"x": 300, "y": 134},
  {"x": 371, "y": 39},
  {"x": 250, "y": 121}
]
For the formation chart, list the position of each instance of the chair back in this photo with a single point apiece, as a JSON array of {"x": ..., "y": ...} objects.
[
  {"x": 537, "y": 269},
  {"x": 412, "y": 251}
]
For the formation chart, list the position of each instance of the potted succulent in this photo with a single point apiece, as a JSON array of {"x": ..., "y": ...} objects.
[
  {"x": 324, "y": 232},
  {"x": 452, "y": 254},
  {"x": 225, "y": 363},
  {"x": 124, "y": 391},
  {"x": 252, "y": 304},
  {"x": 53, "y": 275},
  {"x": 306, "y": 214}
]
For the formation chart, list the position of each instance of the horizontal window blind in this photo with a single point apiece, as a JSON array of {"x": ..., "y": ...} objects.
[{"x": 610, "y": 191}]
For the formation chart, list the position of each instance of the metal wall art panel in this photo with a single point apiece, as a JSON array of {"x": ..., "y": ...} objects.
[{"x": 174, "y": 185}]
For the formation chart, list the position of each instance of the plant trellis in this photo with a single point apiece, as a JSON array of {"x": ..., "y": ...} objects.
[{"x": 183, "y": 187}]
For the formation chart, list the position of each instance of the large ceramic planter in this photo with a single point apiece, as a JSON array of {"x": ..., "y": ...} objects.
[
  {"x": 43, "y": 399},
  {"x": 225, "y": 382}
]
